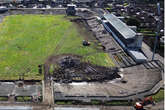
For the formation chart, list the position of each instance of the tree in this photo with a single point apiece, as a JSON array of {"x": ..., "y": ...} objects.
[{"x": 133, "y": 22}]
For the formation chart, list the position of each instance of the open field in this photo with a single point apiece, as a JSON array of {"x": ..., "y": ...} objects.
[{"x": 28, "y": 40}]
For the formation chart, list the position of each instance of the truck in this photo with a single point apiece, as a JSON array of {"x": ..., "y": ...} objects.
[{"x": 71, "y": 10}]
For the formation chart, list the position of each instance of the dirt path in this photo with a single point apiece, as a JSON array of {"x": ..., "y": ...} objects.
[
  {"x": 48, "y": 97},
  {"x": 11, "y": 99}
]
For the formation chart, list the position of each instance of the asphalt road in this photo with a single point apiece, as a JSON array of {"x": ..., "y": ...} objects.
[{"x": 19, "y": 106}]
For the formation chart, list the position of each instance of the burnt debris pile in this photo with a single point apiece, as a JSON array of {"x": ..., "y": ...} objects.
[
  {"x": 68, "y": 62},
  {"x": 73, "y": 70}
]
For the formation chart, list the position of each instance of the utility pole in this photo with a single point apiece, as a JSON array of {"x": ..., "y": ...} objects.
[{"x": 157, "y": 33}]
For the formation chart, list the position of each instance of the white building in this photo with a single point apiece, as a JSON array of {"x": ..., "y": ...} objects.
[{"x": 128, "y": 39}]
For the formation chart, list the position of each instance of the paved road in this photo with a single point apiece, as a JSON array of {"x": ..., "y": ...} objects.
[
  {"x": 158, "y": 106},
  {"x": 72, "y": 108},
  {"x": 19, "y": 106},
  {"x": 93, "y": 107}
]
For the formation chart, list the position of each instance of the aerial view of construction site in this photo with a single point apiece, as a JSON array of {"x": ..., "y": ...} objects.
[{"x": 81, "y": 54}]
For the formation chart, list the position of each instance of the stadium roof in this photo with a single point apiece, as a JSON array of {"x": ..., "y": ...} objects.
[
  {"x": 120, "y": 26},
  {"x": 28, "y": 90}
]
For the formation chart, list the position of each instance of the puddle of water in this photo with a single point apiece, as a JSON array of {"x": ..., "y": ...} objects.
[{"x": 80, "y": 83}]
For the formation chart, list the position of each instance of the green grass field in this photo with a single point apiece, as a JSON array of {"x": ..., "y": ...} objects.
[
  {"x": 159, "y": 96},
  {"x": 27, "y": 40}
]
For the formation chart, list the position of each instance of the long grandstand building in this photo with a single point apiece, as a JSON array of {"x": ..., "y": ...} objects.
[{"x": 128, "y": 39}]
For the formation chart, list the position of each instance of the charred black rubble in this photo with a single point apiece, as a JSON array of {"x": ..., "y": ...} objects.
[{"x": 73, "y": 70}]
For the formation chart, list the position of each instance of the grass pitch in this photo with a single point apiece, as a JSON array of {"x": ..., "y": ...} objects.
[{"x": 27, "y": 40}]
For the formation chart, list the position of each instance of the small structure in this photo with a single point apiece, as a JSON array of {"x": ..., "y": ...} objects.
[
  {"x": 3, "y": 9},
  {"x": 71, "y": 9},
  {"x": 137, "y": 55}
]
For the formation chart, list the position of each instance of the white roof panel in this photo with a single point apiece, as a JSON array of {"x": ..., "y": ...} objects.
[{"x": 120, "y": 26}]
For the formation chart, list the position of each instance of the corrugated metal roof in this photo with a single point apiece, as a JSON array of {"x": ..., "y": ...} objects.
[
  {"x": 6, "y": 88},
  {"x": 27, "y": 90},
  {"x": 120, "y": 26},
  {"x": 15, "y": 108}
]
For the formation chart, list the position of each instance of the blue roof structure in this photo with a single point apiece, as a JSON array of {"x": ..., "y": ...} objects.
[{"x": 120, "y": 26}]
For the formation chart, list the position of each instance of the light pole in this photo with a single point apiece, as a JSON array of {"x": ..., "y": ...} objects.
[{"x": 157, "y": 33}]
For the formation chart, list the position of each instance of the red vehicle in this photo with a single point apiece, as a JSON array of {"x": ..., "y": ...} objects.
[
  {"x": 145, "y": 101},
  {"x": 138, "y": 106}
]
